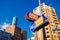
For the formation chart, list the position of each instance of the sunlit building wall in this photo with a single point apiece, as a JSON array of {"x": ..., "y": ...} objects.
[
  {"x": 51, "y": 31},
  {"x": 16, "y": 32}
]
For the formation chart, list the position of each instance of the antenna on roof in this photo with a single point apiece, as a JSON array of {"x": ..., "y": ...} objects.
[{"x": 39, "y": 2}]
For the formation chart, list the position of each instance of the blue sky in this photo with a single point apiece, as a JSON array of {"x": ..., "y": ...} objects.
[{"x": 11, "y": 8}]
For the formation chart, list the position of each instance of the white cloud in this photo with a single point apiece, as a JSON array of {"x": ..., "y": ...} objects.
[{"x": 4, "y": 25}]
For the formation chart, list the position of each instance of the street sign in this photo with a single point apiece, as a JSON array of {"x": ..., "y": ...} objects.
[
  {"x": 32, "y": 27},
  {"x": 39, "y": 21},
  {"x": 44, "y": 17},
  {"x": 32, "y": 16}
]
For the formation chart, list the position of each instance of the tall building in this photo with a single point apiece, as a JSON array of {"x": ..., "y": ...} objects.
[
  {"x": 52, "y": 30},
  {"x": 16, "y": 31}
]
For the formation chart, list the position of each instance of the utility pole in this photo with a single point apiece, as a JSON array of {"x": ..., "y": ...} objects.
[{"x": 39, "y": 2}]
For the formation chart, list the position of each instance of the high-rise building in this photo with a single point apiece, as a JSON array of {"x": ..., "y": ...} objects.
[
  {"x": 16, "y": 32},
  {"x": 48, "y": 30},
  {"x": 52, "y": 30}
]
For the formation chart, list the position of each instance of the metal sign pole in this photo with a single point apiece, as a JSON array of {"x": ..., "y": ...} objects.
[{"x": 39, "y": 2}]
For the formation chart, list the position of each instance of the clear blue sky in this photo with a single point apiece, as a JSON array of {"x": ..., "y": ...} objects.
[{"x": 10, "y": 8}]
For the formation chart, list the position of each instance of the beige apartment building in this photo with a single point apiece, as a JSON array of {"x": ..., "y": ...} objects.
[{"x": 52, "y": 30}]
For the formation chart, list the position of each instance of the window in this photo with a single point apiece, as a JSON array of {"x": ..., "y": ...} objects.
[
  {"x": 55, "y": 20},
  {"x": 51, "y": 22},
  {"x": 48, "y": 39},
  {"x": 56, "y": 23},
  {"x": 47, "y": 32},
  {"x": 58, "y": 32},
  {"x": 54, "y": 14},
  {"x": 55, "y": 17},
  {"x": 54, "y": 36},
  {"x": 48, "y": 36},
  {"x": 59, "y": 37},
  {"x": 58, "y": 29},
  {"x": 52, "y": 25},
  {"x": 46, "y": 28}
]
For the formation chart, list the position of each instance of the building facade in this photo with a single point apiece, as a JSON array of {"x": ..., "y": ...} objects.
[
  {"x": 52, "y": 30},
  {"x": 16, "y": 31},
  {"x": 23, "y": 35},
  {"x": 5, "y": 35}
]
